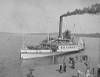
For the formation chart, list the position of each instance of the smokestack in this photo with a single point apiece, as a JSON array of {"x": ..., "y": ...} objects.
[
  {"x": 94, "y": 9},
  {"x": 60, "y": 27}
]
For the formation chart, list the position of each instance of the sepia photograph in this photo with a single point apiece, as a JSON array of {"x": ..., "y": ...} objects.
[{"x": 49, "y": 38}]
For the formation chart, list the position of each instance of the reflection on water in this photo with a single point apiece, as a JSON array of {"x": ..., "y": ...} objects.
[{"x": 92, "y": 50}]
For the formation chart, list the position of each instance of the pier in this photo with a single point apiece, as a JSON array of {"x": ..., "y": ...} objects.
[{"x": 82, "y": 68}]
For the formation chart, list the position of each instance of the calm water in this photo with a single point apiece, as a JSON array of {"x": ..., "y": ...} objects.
[
  {"x": 12, "y": 66},
  {"x": 92, "y": 50}
]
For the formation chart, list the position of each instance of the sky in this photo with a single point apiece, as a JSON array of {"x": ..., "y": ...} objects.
[{"x": 42, "y": 16}]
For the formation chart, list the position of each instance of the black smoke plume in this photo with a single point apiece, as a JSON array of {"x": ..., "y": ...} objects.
[{"x": 94, "y": 9}]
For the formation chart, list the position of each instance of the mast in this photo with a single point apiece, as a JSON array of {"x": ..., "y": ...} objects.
[
  {"x": 48, "y": 36},
  {"x": 74, "y": 31},
  {"x": 23, "y": 41}
]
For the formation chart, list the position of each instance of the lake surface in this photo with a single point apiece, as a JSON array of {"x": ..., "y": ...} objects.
[{"x": 12, "y": 66}]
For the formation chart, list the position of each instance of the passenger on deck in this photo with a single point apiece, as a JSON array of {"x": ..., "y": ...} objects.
[
  {"x": 87, "y": 64},
  {"x": 98, "y": 72},
  {"x": 79, "y": 72},
  {"x": 88, "y": 73},
  {"x": 93, "y": 71},
  {"x": 72, "y": 62},
  {"x": 76, "y": 58},
  {"x": 30, "y": 74},
  {"x": 60, "y": 68},
  {"x": 85, "y": 57},
  {"x": 64, "y": 67},
  {"x": 81, "y": 59}
]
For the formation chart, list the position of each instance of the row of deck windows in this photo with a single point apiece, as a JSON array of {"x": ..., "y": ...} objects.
[{"x": 64, "y": 47}]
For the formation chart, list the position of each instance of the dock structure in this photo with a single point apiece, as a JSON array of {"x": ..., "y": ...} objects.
[{"x": 52, "y": 70}]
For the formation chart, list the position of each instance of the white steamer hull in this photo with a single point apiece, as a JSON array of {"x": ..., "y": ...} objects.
[{"x": 28, "y": 54}]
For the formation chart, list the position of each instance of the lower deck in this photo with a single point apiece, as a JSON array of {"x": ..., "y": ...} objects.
[{"x": 27, "y": 54}]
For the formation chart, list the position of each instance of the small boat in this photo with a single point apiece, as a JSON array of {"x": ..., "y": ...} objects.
[{"x": 64, "y": 43}]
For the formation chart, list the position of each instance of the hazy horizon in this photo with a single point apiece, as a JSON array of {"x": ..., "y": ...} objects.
[{"x": 42, "y": 16}]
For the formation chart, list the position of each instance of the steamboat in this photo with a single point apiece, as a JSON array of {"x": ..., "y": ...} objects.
[{"x": 65, "y": 42}]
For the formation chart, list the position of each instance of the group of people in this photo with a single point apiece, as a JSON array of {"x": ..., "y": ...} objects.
[
  {"x": 72, "y": 61},
  {"x": 71, "y": 64},
  {"x": 62, "y": 68}
]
